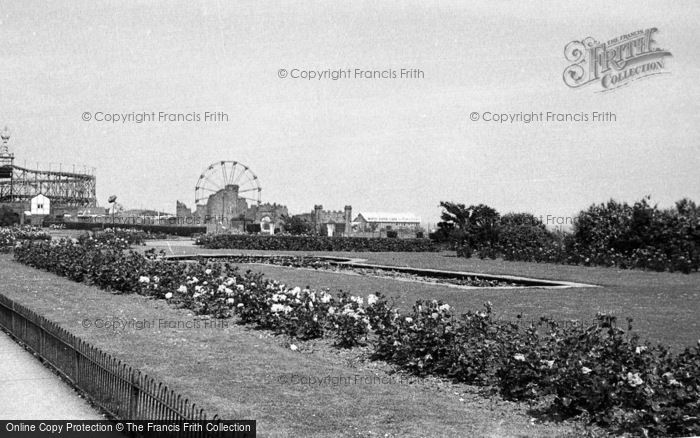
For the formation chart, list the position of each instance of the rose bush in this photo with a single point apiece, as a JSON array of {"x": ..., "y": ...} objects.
[
  {"x": 9, "y": 236},
  {"x": 207, "y": 288},
  {"x": 117, "y": 238}
]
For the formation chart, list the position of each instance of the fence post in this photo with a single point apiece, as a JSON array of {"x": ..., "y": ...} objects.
[
  {"x": 133, "y": 397},
  {"x": 13, "y": 326},
  {"x": 42, "y": 338},
  {"x": 76, "y": 360}
]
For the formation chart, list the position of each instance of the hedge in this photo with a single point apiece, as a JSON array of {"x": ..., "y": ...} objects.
[
  {"x": 173, "y": 230},
  {"x": 638, "y": 236},
  {"x": 314, "y": 243}
]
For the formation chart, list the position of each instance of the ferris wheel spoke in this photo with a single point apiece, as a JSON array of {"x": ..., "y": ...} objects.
[
  {"x": 242, "y": 174},
  {"x": 233, "y": 174},
  {"x": 223, "y": 171},
  {"x": 213, "y": 183},
  {"x": 248, "y": 190}
]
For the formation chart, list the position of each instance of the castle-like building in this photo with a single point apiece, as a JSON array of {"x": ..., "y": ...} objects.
[
  {"x": 228, "y": 210},
  {"x": 329, "y": 222}
]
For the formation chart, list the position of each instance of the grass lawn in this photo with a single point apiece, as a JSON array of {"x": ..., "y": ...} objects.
[
  {"x": 247, "y": 374},
  {"x": 665, "y": 306}
]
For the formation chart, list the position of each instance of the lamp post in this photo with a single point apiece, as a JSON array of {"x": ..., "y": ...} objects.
[{"x": 112, "y": 200}]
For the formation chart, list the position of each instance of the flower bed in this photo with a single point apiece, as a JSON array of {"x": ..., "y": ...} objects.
[
  {"x": 161, "y": 229},
  {"x": 471, "y": 281},
  {"x": 9, "y": 236},
  {"x": 291, "y": 261},
  {"x": 600, "y": 371},
  {"x": 320, "y": 263},
  {"x": 216, "y": 289},
  {"x": 314, "y": 243},
  {"x": 115, "y": 238}
]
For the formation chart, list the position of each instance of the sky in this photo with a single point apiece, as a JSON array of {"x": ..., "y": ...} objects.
[{"x": 378, "y": 144}]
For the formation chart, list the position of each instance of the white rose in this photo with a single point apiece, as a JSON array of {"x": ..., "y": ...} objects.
[{"x": 634, "y": 379}]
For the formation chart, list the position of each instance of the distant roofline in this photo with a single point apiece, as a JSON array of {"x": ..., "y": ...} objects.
[{"x": 388, "y": 217}]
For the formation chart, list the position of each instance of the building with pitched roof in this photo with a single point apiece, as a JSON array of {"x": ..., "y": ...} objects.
[{"x": 378, "y": 221}]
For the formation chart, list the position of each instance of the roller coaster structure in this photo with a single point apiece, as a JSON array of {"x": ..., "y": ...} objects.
[{"x": 64, "y": 189}]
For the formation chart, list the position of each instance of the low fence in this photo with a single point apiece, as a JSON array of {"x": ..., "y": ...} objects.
[{"x": 122, "y": 391}]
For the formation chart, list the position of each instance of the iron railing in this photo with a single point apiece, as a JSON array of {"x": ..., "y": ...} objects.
[{"x": 122, "y": 391}]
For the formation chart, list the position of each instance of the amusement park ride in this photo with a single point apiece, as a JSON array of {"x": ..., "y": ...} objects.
[
  {"x": 18, "y": 185},
  {"x": 220, "y": 175}
]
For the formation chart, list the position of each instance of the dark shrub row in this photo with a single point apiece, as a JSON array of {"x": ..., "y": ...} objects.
[
  {"x": 162, "y": 230},
  {"x": 314, "y": 243},
  {"x": 638, "y": 236}
]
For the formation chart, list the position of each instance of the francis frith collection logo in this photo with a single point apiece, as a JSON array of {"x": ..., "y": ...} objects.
[{"x": 614, "y": 63}]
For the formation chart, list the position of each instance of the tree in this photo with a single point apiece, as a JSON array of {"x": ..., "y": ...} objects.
[
  {"x": 686, "y": 207},
  {"x": 483, "y": 225},
  {"x": 476, "y": 225},
  {"x": 8, "y": 217},
  {"x": 451, "y": 228},
  {"x": 524, "y": 237},
  {"x": 297, "y": 225}
]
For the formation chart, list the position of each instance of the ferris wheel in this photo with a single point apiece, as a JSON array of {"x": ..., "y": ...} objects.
[{"x": 221, "y": 174}]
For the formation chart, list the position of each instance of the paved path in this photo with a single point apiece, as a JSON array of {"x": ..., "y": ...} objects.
[{"x": 30, "y": 391}]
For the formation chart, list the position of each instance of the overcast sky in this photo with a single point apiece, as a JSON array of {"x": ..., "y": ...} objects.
[{"x": 376, "y": 144}]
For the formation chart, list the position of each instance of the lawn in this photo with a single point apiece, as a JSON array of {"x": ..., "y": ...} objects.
[
  {"x": 247, "y": 374},
  {"x": 664, "y": 306}
]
